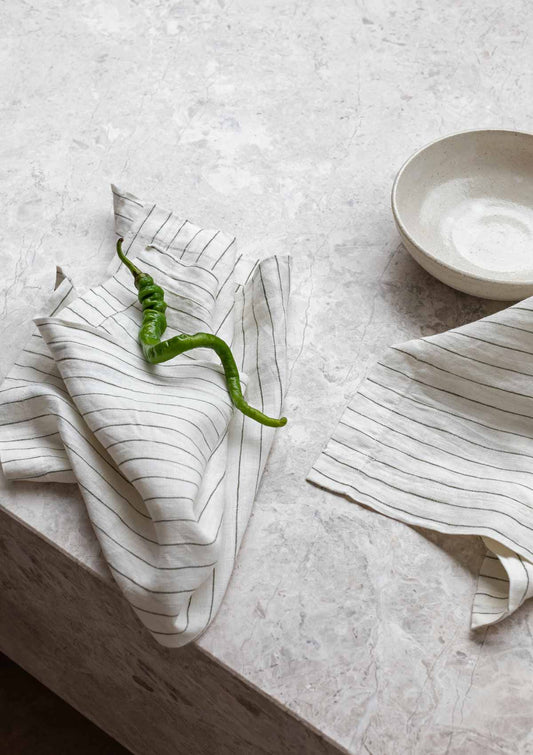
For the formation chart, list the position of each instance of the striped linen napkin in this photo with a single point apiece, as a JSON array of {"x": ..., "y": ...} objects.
[
  {"x": 440, "y": 435},
  {"x": 167, "y": 469}
]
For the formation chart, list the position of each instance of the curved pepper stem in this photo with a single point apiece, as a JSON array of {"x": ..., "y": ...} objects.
[{"x": 129, "y": 264}]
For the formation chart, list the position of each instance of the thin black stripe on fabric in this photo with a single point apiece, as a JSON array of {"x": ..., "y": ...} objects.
[
  {"x": 526, "y": 588},
  {"x": 259, "y": 381},
  {"x": 452, "y": 414},
  {"x": 169, "y": 245},
  {"x": 410, "y": 473},
  {"x": 424, "y": 518},
  {"x": 223, "y": 254},
  {"x": 154, "y": 372},
  {"x": 273, "y": 340},
  {"x": 457, "y": 395},
  {"x": 205, "y": 247},
  {"x": 457, "y": 472},
  {"x": 417, "y": 439},
  {"x": 242, "y": 428},
  {"x": 110, "y": 468},
  {"x": 58, "y": 307},
  {"x": 163, "y": 224},
  {"x": 382, "y": 481},
  {"x": 145, "y": 537},
  {"x": 127, "y": 199},
  {"x": 464, "y": 377},
  {"x": 126, "y": 251},
  {"x": 479, "y": 361}
]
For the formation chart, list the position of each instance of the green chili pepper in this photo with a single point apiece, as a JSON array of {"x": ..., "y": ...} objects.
[{"x": 152, "y": 299}]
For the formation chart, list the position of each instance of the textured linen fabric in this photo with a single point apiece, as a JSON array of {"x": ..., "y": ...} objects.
[
  {"x": 440, "y": 435},
  {"x": 167, "y": 469}
]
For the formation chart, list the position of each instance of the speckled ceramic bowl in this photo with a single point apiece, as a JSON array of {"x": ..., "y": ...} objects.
[{"x": 464, "y": 209}]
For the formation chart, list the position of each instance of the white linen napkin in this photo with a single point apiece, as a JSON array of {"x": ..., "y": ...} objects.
[
  {"x": 167, "y": 469},
  {"x": 440, "y": 435}
]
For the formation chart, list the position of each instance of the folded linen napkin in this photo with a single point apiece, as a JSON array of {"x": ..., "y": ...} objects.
[
  {"x": 167, "y": 469},
  {"x": 440, "y": 435}
]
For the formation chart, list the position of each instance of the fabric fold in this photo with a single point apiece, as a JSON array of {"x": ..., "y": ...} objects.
[
  {"x": 440, "y": 435},
  {"x": 167, "y": 469}
]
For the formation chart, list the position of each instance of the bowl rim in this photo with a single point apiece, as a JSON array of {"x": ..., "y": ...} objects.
[{"x": 403, "y": 230}]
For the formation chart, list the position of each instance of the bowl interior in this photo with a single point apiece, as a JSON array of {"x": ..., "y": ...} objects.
[{"x": 467, "y": 200}]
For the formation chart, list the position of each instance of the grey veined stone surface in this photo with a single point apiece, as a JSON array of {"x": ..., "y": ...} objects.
[{"x": 285, "y": 123}]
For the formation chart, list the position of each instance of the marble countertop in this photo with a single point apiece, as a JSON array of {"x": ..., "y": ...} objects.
[{"x": 284, "y": 122}]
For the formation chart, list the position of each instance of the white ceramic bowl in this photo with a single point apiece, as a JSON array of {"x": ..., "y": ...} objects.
[{"x": 464, "y": 209}]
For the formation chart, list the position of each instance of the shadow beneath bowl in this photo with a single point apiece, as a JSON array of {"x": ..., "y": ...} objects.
[{"x": 427, "y": 306}]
